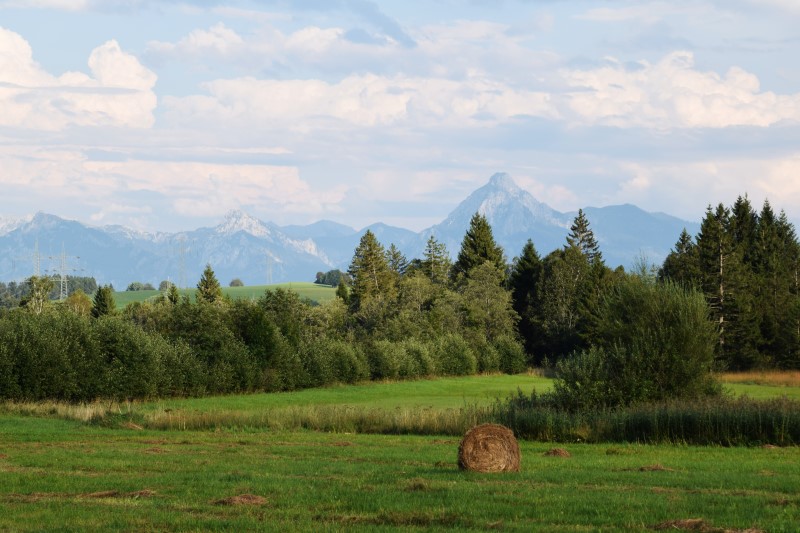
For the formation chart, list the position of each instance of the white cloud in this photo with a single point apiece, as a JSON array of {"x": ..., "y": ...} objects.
[
  {"x": 218, "y": 40},
  {"x": 65, "y": 5},
  {"x": 118, "y": 93},
  {"x": 363, "y": 100},
  {"x": 673, "y": 94},
  {"x": 647, "y": 13}
]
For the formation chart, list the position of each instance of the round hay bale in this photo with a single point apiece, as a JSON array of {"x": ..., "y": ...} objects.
[{"x": 489, "y": 448}]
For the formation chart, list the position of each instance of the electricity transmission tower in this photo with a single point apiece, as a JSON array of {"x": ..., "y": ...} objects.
[{"x": 61, "y": 271}]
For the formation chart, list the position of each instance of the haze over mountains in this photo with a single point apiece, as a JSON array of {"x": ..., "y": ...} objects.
[{"x": 259, "y": 252}]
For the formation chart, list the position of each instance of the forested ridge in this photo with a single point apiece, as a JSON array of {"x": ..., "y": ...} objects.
[{"x": 727, "y": 298}]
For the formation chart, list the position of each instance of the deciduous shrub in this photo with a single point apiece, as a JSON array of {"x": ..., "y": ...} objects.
[
  {"x": 454, "y": 356},
  {"x": 652, "y": 342}
]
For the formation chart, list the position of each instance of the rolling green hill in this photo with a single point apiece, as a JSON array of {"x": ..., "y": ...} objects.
[{"x": 312, "y": 291}]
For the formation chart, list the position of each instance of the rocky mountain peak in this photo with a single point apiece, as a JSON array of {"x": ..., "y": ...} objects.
[{"x": 237, "y": 220}]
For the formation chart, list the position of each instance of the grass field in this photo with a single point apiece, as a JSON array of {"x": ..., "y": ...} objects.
[
  {"x": 65, "y": 476},
  {"x": 312, "y": 291},
  {"x": 68, "y": 475}
]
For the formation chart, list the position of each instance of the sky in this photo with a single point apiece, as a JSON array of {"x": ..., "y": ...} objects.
[{"x": 165, "y": 115}]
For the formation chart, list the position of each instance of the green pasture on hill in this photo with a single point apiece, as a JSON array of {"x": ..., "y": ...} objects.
[
  {"x": 312, "y": 291},
  {"x": 66, "y": 476}
]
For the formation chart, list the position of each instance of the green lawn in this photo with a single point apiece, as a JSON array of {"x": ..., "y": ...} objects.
[
  {"x": 65, "y": 476},
  {"x": 443, "y": 393},
  {"x": 312, "y": 291}
]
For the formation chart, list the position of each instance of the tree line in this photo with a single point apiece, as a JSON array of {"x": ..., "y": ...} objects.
[{"x": 729, "y": 298}]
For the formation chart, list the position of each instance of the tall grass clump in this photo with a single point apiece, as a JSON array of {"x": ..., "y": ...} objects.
[{"x": 718, "y": 421}]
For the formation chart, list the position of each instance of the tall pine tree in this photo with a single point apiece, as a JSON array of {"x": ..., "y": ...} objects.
[
  {"x": 478, "y": 247},
  {"x": 372, "y": 279},
  {"x": 582, "y": 238},
  {"x": 208, "y": 288},
  {"x": 681, "y": 265},
  {"x": 526, "y": 273},
  {"x": 436, "y": 262}
]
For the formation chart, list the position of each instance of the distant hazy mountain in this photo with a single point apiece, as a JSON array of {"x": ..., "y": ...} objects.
[{"x": 257, "y": 252}]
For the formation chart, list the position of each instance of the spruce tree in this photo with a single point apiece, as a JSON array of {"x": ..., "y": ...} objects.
[
  {"x": 208, "y": 288},
  {"x": 728, "y": 288},
  {"x": 477, "y": 248},
  {"x": 103, "y": 303},
  {"x": 372, "y": 279},
  {"x": 582, "y": 238},
  {"x": 526, "y": 273},
  {"x": 681, "y": 265},
  {"x": 397, "y": 261},
  {"x": 435, "y": 262}
]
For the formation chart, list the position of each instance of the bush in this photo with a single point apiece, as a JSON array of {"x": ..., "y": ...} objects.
[
  {"x": 133, "y": 358},
  {"x": 454, "y": 357},
  {"x": 385, "y": 358},
  {"x": 486, "y": 356},
  {"x": 653, "y": 342},
  {"x": 511, "y": 354},
  {"x": 418, "y": 358},
  {"x": 48, "y": 356}
]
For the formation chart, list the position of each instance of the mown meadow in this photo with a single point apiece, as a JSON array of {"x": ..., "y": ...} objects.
[{"x": 123, "y": 469}]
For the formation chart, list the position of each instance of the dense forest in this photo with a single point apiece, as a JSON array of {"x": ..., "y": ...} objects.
[{"x": 727, "y": 299}]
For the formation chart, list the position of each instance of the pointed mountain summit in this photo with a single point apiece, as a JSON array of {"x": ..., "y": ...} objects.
[
  {"x": 237, "y": 220},
  {"x": 514, "y": 214}
]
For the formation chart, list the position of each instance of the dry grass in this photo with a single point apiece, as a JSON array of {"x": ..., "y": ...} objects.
[
  {"x": 242, "y": 499},
  {"x": 557, "y": 452},
  {"x": 83, "y": 412},
  {"x": 698, "y": 524},
  {"x": 775, "y": 378}
]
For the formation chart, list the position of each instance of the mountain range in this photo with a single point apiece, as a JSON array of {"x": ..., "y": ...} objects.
[{"x": 260, "y": 252}]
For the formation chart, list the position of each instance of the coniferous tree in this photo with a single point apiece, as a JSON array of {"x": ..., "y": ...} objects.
[
  {"x": 435, "y": 262},
  {"x": 728, "y": 290},
  {"x": 397, "y": 261},
  {"x": 103, "y": 303},
  {"x": 173, "y": 296},
  {"x": 208, "y": 288},
  {"x": 582, "y": 238},
  {"x": 477, "y": 248},
  {"x": 372, "y": 279},
  {"x": 526, "y": 273},
  {"x": 681, "y": 265}
]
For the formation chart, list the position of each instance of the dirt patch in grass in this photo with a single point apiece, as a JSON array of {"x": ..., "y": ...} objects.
[
  {"x": 342, "y": 443},
  {"x": 101, "y": 494},
  {"x": 658, "y": 467},
  {"x": 145, "y": 493},
  {"x": 3, "y": 456},
  {"x": 699, "y": 525},
  {"x": 557, "y": 452},
  {"x": 156, "y": 450},
  {"x": 242, "y": 499},
  {"x": 131, "y": 425},
  {"x": 448, "y": 442},
  {"x": 410, "y": 519}
]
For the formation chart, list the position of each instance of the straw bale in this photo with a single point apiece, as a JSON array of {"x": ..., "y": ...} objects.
[{"x": 489, "y": 448}]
